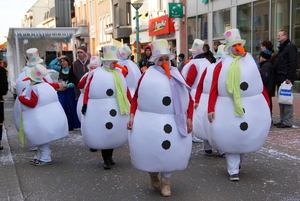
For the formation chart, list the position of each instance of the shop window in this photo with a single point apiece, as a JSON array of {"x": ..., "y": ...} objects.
[
  {"x": 244, "y": 24},
  {"x": 202, "y": 27},
  {"x": 221, "y": 22},
  {"x": 191, "y": 30},
  {"x": 295, "y": 34}
]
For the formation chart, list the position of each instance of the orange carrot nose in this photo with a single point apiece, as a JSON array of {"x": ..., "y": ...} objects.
[
  {"x": 166, "y": 67},
  {"x": 241, "y": 50},
  {"x": 121, "y": 67},
  {"x": 25, "y": 79}
]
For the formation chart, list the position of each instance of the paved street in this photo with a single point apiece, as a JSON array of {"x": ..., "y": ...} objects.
[{"x": 272, "y": 173}]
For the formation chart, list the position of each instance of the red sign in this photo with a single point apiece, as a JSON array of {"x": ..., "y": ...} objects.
[{"x": 161, "y": 25}]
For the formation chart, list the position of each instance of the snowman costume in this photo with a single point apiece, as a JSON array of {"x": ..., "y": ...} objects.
[
  {"x": 36, "y": 100},
  {"x": 103, "y": 125},
  {"x": 155, "y": 139},
  {"x": 33, "y": 59},
  {"x": 234, "y": 128},
  {"x": 134, "y": 73}
]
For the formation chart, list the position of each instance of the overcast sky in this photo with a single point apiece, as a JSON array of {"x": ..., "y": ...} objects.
[{"x": 12, "y": 12}]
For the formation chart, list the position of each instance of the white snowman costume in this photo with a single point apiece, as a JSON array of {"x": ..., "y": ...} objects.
[
  {"x": 134, "y": 73},
  {"x": 20, "y": 85},
  {"x": 238, "y": 134},
  {"x": 103, "y": 127},
  {"x": 40, "y": 129}
]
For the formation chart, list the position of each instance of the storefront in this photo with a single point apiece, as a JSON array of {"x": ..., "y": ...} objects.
[{"x": 256, "y": 20}]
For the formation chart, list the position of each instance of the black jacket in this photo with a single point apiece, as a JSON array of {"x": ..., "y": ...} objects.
[
  {"x": 266, "y": 72},
  {"x": 3, "y": 82},
  {"x": 285, "y": 63}
]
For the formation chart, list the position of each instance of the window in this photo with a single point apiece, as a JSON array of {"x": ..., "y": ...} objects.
[
  {"x": 128, "y": 14},
  {"x": 191, "y": 30},
  {"x": 92, "y": 12},
  {"x": 202, "y": 27},
  {"x": 244, "y": 24},
  {"x": 116, "y": 15},
  {"x": 221, "y": 22},
  {"x": 295, "y": 34}
]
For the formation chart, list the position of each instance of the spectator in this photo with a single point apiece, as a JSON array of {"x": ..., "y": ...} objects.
[
  {"x": 144, "y": 63},
  {"x": 208, "y": 54},
  {"x": 216, "y": 45},
  {"x": 180, "y": 61},
  {"x": 3, "y": 91},
  {"x": 284, "y": 71}
]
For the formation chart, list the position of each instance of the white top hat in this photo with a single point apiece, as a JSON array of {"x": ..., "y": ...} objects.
[
  {"x": 37, "y": 73},
  {"x": 33, "y": 57},
  {"x": 160, "y": 48},
  {"x": 110, "y": 53},
  {"x": 94, "y": 62},
  {"x": 125, "y": 51},
  {"x": 197, "y": 46},
  {"x": 232, "y": 37},
  {"x": 220, "y": 51}
]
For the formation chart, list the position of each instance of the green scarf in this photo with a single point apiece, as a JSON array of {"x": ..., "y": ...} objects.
[
  {"x": 233, "y": 84},
  {"x": 120, "y": 92},
  {"x": 21, "y": 130}
]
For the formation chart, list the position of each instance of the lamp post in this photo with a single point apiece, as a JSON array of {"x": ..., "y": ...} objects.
[{"x": 137, "y": 6}]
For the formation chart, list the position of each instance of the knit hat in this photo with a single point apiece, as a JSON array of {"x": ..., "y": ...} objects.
[
  {"x": 110, "y": 53},
  {"x": 160, "y": 48},
  {"x": 266, "y": 54},
  {"x": 82, "y": 49},
  {"x": 197, "y": 46},
  {"x": 37, "y": 73},
  {"x": 233, "y": 37},
  {"x": 94, "y": 62},
  {"x": 33, "y": 57},
  {"x": 220, "y": 51}
]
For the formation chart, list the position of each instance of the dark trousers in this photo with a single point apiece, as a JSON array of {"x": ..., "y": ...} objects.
[
  {"x": 1, "y": 117},
  {"x": 107, "y": 154}
]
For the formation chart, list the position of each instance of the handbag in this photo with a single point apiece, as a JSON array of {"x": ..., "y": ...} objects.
[{"x": 285, "y": 94}]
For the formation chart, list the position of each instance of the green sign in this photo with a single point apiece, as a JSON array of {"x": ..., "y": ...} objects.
[
  {"x": 175, "y": 10},
  {"x": 204, "y": 1}
]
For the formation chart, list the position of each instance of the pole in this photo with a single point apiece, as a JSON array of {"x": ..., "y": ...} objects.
[{"x": 137, "y": 35}]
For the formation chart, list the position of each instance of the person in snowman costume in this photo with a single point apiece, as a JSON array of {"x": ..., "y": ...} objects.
[
  {"x": 201, "y": 101},
  {"x": 193, "y": 70},
  {"x": 106, "y": 107},
  {"x": 38, "y": 99},
  {"x": 33, "y": 58},
  {"x": 134, "y": 74},
  {"x": 237, "y": 101},
  {"x": 160, "y": 120}
]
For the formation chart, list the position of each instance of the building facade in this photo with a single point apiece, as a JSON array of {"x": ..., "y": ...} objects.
[{"x": 256, "y": 20}]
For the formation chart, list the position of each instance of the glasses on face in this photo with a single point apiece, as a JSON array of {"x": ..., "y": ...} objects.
[{"x": 239, "y": 44}]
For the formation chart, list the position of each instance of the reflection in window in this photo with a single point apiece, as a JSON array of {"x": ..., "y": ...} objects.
[
  {"x": 221, "y": 22},
  {"x": 202, "y": 27},
  {"x": 191, "y": 30},
  {"x": 244, "y": 24},
  {"x": 295, "y": 35}
]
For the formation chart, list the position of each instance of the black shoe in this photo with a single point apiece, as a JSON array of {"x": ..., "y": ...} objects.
[
  {"x": 283, "y": 126},
  {"x": 71, "y": 128},
  {"x": 112, "y": 162},
  {"x": 1, "y": 147},
  {"x": 106, "y": 165},
  {"x": 277, "y": 124},
  {"x": 93, "y": 150}
]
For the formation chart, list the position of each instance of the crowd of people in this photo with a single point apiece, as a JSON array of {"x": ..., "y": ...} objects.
[{"x": 210, "y": 97}]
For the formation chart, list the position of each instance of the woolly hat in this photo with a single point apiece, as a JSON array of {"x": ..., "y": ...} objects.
[
  {"x": 233, "y": 37},
  {"x": 37, "y": 73},
  {"x": 33, "y": 57},
  {"x": 266, "y": 54},
  {"x": 197, "y": 46},
  {"x": 220, "y": 51},
  {"x": 160, "y": 48},
  {"x": 82, "y": 49},
  {"x": 110, "y": 53},
  {"x": 94, "y": 62}
]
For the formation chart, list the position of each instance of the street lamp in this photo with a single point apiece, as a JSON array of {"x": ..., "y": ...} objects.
[{"x": 137, "y": 6}]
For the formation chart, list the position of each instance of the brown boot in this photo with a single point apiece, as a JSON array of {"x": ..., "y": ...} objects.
[
  {"x": 165, "y": 186},
  {"x": 154, "y": 180}
]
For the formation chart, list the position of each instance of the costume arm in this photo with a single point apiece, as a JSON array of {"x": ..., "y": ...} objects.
[
  {"x": 82, "y": 82},
  {"x": 87, "y": 90},
  {"x": 55, "y": 85},
  {"x": 266, "y": 95},
  {"x": 190, "y": 110},
  {"x": 213, "y": 94},
  {"x": 125, "y": 73},
  {"x": 53, "y": 65},
  {"x": 32, "y": 102},
  {"x": 191, "y": 75},
  {"x": 134, "y": 103},
  {"x": 200, "y": 86}
]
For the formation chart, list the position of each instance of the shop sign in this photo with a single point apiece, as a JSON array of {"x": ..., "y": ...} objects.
[
  {"x": 175, "y": 10},
  {"x": 161, "y": 25}
]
